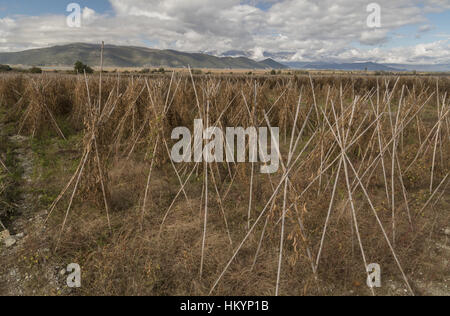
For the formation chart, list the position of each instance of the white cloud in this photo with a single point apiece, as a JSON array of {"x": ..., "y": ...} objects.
[
  {"x": 309, "y": 29},
  {"x": 425, "y": 28},
  {"x": 436, "y": 52},
  {"x": 88, "y": 14},
  {"x": 374, "y": 37}
]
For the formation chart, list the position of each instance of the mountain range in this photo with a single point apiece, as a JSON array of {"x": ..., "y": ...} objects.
[
  {"x": 129, "y": 56},
  {"x": 369, "y": 66},
  {"x": 133, "y": 56}
]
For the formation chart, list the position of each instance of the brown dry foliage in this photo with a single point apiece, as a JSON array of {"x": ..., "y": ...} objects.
[{"x": 142, "y": 257}]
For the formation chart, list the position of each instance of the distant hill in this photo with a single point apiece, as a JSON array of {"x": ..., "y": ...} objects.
[
  {"x": 345, "y": 66},
  {"x": 128, "y": 56},
  {"x": 272, "y": 64}
]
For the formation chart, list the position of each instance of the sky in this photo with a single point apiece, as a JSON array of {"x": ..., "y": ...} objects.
[{"x": 410, "y": 31}]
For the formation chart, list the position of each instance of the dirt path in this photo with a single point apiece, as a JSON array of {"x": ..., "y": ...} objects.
[
  {"x": 28, "y": 222},
  {"x": 24, "y": 156}
]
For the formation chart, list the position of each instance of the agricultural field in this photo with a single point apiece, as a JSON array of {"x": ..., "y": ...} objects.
[{"x": 87, "y": 177}]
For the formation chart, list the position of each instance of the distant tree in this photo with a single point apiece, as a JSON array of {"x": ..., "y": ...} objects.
[
  {"x": 4, "y": 68},
  {"x": 35, "y": 70},
  {"x": 80, "y": 68},
  {"x": 273, "y": 72}
]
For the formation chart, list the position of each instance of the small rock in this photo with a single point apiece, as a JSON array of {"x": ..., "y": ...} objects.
[
  {"x": 9, "y": 242},
  {"x": 19, "y": 236},
  {"x": 62, "y": 272},
  {"x": 4, "y": 235},
  {"x": 447, "y": 231}
]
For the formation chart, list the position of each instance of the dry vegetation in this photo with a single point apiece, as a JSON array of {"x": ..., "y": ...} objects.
[{"x": 364, "y": 179}]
